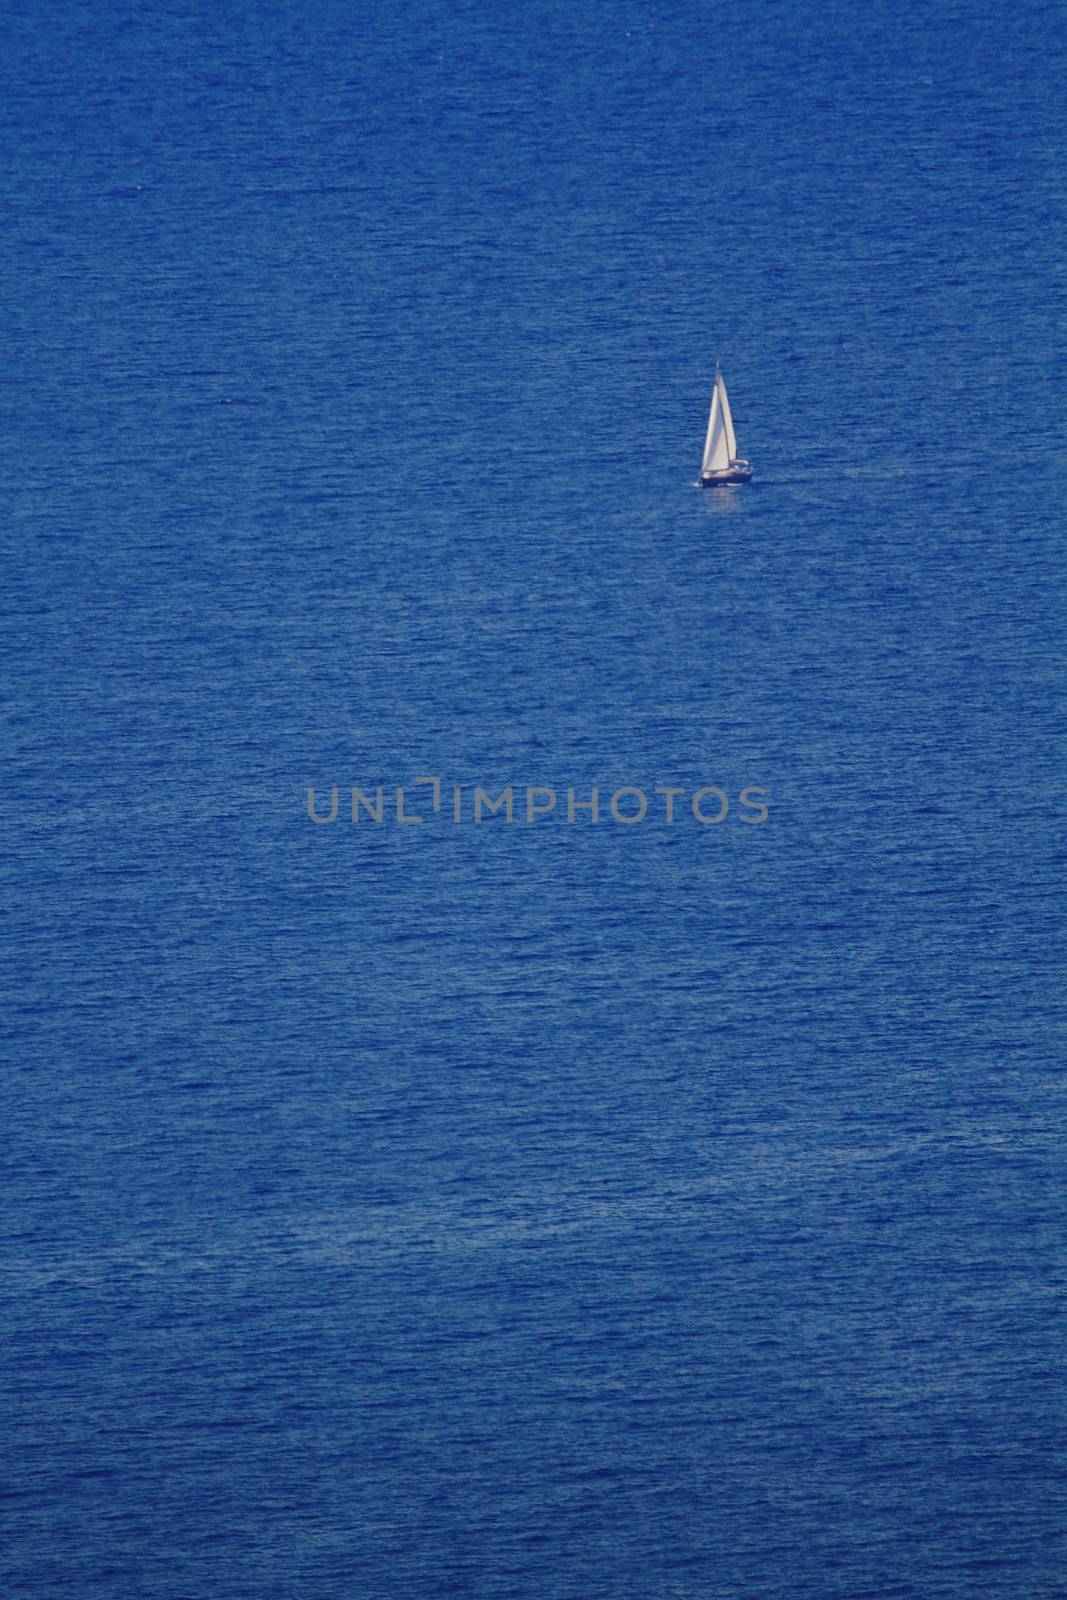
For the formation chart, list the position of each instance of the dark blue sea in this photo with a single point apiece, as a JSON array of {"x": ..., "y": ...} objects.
[{"x": 545, "y": 1209}]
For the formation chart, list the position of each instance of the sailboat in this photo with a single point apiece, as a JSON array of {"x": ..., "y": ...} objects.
[{"x": 721, "y": 463}]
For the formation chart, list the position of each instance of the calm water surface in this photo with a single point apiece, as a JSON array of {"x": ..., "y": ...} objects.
[{"x": 592, "y": 1212}]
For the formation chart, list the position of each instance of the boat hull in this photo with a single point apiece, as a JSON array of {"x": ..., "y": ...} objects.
[{"x": 713, "y": 480}]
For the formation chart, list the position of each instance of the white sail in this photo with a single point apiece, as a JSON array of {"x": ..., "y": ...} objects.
[
  {"x": 731, "y": 442},
  {"x": 716, "y": 449}
]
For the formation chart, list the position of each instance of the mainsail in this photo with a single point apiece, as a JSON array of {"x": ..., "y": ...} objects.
[{"x": 731, "y": 442}]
